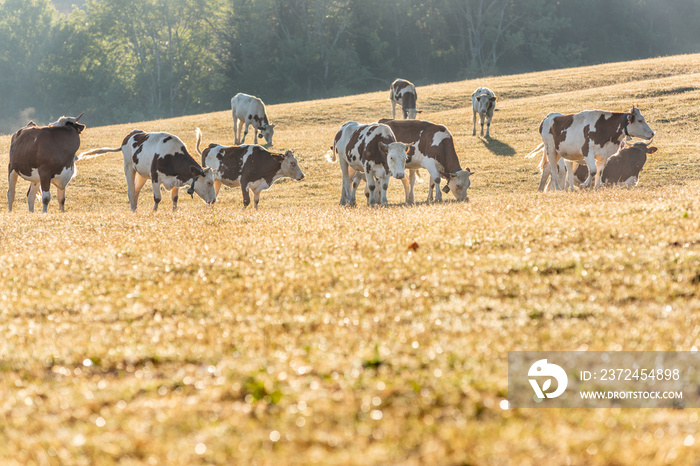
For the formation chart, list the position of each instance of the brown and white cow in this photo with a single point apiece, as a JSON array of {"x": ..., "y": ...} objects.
[
  {"x": 249, "y": 166},
  {"x": 44, "y": 155},
  {"x": 623, "y": 167},
  {"x": 162, "y": 158},
  {"x": 404, "y": 93},
  {"x": 591, "y": 136},
  {"x": 483, "y": 104},
  {"x": 249, "y": 110},
  {"x": 372, "y": 149},
  {"x": 431, "y": 147}
]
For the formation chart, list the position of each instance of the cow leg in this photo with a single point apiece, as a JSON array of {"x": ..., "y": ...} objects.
[
  {"x": 31, "y": 195},
  {"x": 246, "y": 194},
  {"x": 592, "y": 172},
  {"x": 235, "y": 129},
  {"x": 544, "y": 185},
  {"x": 383, "y": 186},
  {"x": 393, "y": 110},
  {"x": 12, "y": 186},
  {"x": 568, "y": 177},
  {"x": 256, "y": 198},
  {"x": 174, "y": 195},
  {"x": 131, "y": 174},
  {"x": 429, "y": 164},
  {"x": 488, "y": 126},
  {"x": 156, "y": 195},
  {"x": 245, "y": 131},
  {"x": 371, "y": 185},
  {"x": 552, "y": 159},
  {"x": 61, "y": 196},
  {"x": 408, "y": 186},
  {"x": 45, "y": 181},
  {"x": 347, "y": 181}
]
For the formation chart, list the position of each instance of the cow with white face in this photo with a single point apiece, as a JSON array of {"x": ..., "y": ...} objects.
[
  {"x": 431, "y": 147},
  {"x": 404, "y": 93},
  {"x": 373, "y": 150},
  {"x": 248, "y": 110},
  {"x": 591, "y": 136},
  {"x": 483, "y": 104},
  {"x": 162, "y": 158}
]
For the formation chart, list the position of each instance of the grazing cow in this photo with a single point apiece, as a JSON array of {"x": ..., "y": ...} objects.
[
  {"x": 432, "y": 148},
  {"x": 371, "y": 149},
  {"x": 592, "y": 136},
  {"x": 483, "y": 104},
  {"x": 249, "y": 166},
  {"x": 249, "y": 110},
  {"x": 623, "y": 167},
  {"x": 44, "y": 155},
  {"x": 404, "y": 93},
  {"x": 162, "y": 158}
]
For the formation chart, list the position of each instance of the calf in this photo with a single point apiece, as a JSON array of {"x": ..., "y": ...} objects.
[
  {"x": 249, "y": 110},
  {"x": 162, "y": 158},
  {"x": 404, "y": 93},
  {"x": 44, "y": 155},
  {"x": 249, "y": 166},
  {"x": 431, "y": 147},
  {"x": 591, "y": 136},
  {"x": 483, "y": 104},
  {"x": 371, "y": 149},
  {"x": 623, "y": 167}
]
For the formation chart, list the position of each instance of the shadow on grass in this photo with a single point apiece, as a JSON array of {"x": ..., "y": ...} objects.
[{"x": 497, "y": 147}]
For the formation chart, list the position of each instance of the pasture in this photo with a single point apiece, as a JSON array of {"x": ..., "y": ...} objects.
[{"x": 310, "y": 333}]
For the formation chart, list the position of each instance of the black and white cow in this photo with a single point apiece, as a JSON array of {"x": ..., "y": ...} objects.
[
  {"x": 372, "y": 149},
  {"x": 249, "y": 110},
  {"x": 483, "y": 104},
  {"x": 249, "y": 166},
  {"x": 162, "y": 158},
  {"x": 44, "y": 155},
  {"x": 404, "y": 93}
]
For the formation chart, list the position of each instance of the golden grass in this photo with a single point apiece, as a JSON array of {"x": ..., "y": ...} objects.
[{"x": 310, "y": 333}]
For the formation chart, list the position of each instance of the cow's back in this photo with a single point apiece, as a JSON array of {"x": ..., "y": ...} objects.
[
  {"x": 244, "y": 105},
  {"x": 591, "y": 131},
  {"x": 34, "y": 146},
  {"x": 434, "y": 141},
  {"x": 227, "y": 161}
]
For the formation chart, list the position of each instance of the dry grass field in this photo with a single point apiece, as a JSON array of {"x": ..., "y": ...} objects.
[{"x": 309, "y": 333}]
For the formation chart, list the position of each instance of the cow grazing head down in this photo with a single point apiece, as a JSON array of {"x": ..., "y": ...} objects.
[
  {"x": 290, "y": 167},
  {"x": 637, "y": 126},
  {"x": 395, "y": 153},
  {"x": 267, "y": 132},
  {"x": 458, "y": 184},
  {"x": 203, "y": 184}
]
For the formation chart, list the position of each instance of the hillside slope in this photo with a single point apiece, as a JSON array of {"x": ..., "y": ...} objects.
[{"x": 310, "y": 333}]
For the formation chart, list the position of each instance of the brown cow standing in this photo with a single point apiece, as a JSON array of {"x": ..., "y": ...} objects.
[{"x": 44, "y": 155}]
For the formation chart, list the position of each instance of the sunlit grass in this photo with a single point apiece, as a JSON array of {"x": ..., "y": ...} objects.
[{"x": 310, "y": 333}]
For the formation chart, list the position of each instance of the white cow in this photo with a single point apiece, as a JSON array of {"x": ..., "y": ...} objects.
[
  {"x": 249, "y": 110},
  {"x": 371, "y": 149},
  {"x": 483, "y": 104}
]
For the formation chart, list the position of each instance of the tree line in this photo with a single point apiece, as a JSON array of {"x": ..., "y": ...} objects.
[{"x": 131, "y": 60}]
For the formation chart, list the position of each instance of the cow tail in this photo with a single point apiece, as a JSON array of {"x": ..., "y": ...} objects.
[
  {"x": 198, "y": 133},
  {"x": 534, "y": 152},
  {"x": 331, "y": 154},
  {"x": 91, "y": 154}
]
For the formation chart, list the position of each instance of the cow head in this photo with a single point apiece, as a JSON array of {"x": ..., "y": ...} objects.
[
  {"x": 640, "y": 146},
  {"x": 395, "y": 153},
  {"x": 70, "y": 122},
  {"x": 290, "y": 167},
  {"x": 266, "y": 132},
  {"x": 458, "y": 184},
  {"x": 203, "y": 184},
  {"x": 637, "y": 126},
  {"x": 484, "y": 102}
]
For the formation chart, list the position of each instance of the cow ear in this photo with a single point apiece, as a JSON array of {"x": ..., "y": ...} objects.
[
  {"x": 419, "y": 111},
  {"x": 383, "y": 147},
  {"x": 651, "y": 150},
  {"x": 446, "y": 189},
  {"x": 469, "y": 171},
  {"x": 196, "y": 171},
  {"x": 493, "y": 99}
]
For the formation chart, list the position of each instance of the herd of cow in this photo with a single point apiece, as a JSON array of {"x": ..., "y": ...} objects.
[{"x": 580, "y": 147}]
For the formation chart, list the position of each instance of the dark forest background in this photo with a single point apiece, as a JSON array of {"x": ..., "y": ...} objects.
[{"x": 131, "y": 60}]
